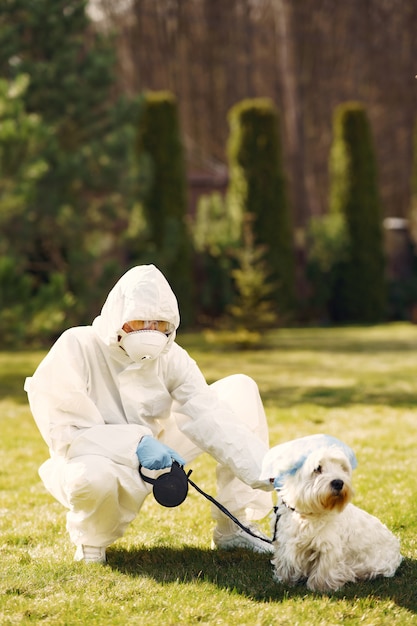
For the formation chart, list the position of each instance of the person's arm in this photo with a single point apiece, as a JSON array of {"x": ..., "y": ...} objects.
[
  {"x": 68, "y": 419},
  {"x": 212, "y": 425}
]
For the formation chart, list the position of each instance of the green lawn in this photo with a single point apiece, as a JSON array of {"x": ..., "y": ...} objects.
[{"x": 358, "y": 384}]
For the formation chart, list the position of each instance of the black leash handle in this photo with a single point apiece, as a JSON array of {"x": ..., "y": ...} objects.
[{"x": 225, "y": 511}]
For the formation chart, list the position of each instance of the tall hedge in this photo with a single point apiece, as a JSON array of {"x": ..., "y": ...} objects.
[
  {"x": 360, "y": 294},
  {"x": 257, "y": 186},
  {"x": 165, "y": 202}
]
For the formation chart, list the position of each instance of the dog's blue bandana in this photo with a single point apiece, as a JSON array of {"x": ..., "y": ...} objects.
[{"x": 287, "y": 458}]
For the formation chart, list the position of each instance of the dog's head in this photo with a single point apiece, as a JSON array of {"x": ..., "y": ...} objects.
[{"x": 322, "y": 483}]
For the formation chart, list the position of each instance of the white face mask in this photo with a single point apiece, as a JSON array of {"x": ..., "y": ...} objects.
[{"x": 142, "y": 345}]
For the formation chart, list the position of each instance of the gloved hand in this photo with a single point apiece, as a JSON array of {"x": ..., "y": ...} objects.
[{"x": 155, "y": 455}]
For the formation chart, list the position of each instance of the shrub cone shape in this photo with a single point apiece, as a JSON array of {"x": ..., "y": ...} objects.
[
  {"x": 257, "y": 187},
  {"x": 165, "y": 203},
  {"x": 360, "y": 292}
]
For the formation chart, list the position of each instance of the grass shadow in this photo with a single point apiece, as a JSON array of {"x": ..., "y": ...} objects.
[
  {"x": 334, "y": 397},
  {"x": 250, "y": 574},
  {"x": 372, "y": 339},
  {"x": 351, "y": 339}
]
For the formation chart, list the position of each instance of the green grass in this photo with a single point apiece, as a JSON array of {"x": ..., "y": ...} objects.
[{"x": 358, "y": 384}]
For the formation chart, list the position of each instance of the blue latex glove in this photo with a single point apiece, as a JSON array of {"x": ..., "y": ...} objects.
[{"x": 155, "y": 455}]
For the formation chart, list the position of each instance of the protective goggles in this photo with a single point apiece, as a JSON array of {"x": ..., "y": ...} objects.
[{"x": 164, "y": 327}]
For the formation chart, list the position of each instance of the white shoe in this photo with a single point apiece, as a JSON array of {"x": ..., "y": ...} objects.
[
  {"x": 241, "y": 539},
  {"x": 90, "y": 554}
]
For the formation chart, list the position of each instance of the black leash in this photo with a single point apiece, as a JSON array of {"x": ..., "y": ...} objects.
[
  {"x": 170, "y": 489},
  {"x": 277, "y": 518},
  {"x": 225, "y": 511}
]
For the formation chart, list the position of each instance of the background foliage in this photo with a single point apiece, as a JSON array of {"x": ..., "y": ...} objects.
[
  {"x": 257, "y": 187},
  {"x": 94, "y": 175},
  {"x": 360, "y": 294},
  {"x": 346, "y": 267},
  {"x": 165, "y": 201},
  {"x": 68, "y": 178}
]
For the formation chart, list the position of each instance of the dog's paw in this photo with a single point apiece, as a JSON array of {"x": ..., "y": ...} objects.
[
  {"x": 277, "y": 577},
  {"x": 324, "y": 585},
  {"x": 289, "y": 581}
]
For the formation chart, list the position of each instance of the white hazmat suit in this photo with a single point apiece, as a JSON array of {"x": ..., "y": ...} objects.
[{"x": 93, "y": 405}]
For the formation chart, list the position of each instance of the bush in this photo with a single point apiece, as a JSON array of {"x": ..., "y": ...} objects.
[
  {"x": 69, "y": 177},
  {"x": 15, "y": 292},
  {"x": 326, "y": 253},
  {"x": 216, "y": 236},
  {"x": 257, "y": 187},
  {"x": 359, "y": 294},
  {"x": 165, "y": 202},
  {"x": 51, "y": 310},
  {"x": 30, "y": 315},
  {"x": 252, "y": 308}
]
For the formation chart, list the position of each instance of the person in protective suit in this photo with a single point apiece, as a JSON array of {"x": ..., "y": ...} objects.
[{"x": 120, "y": 394}]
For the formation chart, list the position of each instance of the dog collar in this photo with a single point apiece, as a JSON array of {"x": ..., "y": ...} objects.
[
  {"x": 292, "y": 509},
  {"x": 283, "y": 502},
  {"x": 288, "y": 506}
]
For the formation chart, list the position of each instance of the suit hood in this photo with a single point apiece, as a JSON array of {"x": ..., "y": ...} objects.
[{"x": 142, "y": 293}]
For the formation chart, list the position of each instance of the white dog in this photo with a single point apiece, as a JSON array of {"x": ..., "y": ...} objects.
[{"x": 319, "y": 536}]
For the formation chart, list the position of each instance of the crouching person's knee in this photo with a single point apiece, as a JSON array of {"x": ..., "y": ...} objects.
[
  {"x": 241, "y": 393},
  {"x": 89, "y": 479}
]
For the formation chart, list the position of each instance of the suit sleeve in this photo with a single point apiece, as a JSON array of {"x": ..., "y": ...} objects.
[
  {"x": 67, "y": 418},
  {"x": 213, "y": 426}
]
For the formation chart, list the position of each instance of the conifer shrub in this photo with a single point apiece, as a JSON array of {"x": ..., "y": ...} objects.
[
  {"x": 257, "y": 187},
  {"x": 216, "y": 237},
  {"x": 252, "y": 309},
  {"x": 359, "y": 293},
  {"x": 165, "y": 203},
  {"x": 327, "y": 249},
  {"x": 15, "y": 300},
  {"x": 68, "y": 172},
  {"x": 403, "y": 286}
]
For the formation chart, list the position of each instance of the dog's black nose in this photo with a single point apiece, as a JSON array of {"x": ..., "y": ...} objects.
[{"x": 337, "y": 484}]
